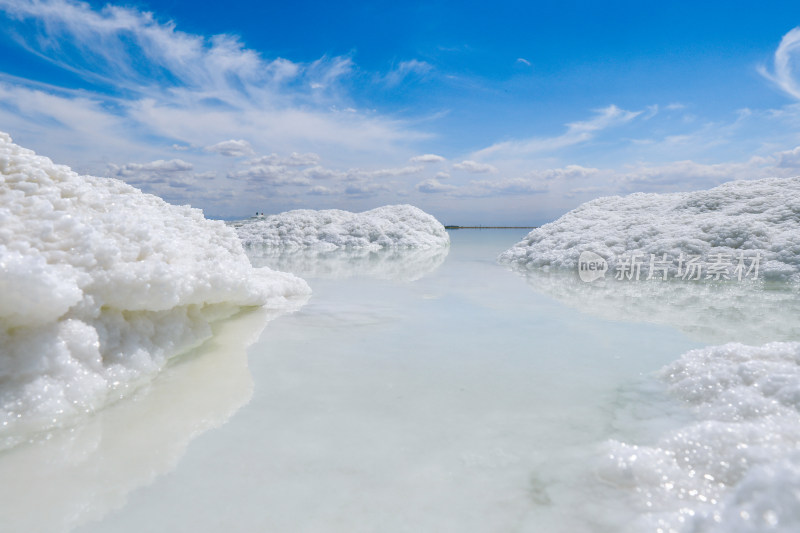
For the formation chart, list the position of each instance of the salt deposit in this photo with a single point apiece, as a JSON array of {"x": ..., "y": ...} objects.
[
  {"x": 102, "y": 284},
  {"x": 391, "y": 226},
  {"x": 736, "y": 466},
  {"x": 736, "y": 218}
]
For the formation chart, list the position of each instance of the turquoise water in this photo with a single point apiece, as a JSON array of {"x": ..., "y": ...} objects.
[{"x": 439, "y": 392}]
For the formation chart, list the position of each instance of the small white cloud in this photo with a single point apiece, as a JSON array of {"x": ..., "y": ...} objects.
[
  {"x": 160, "y": 166},
  {"x": 433, "y": 186},
  {"x": 405, "y": 70},
  {"x": 570, "y": 172},
  {"x": 427, "y": 158},
  {"x": 511, "y": 186},
  {"x": 474, "y": 167},
  {"x": 232, "y": 148},
  {"x": 294, "y": 159},
  {"x": 789, "y": 158},
  {"x": 523, "y": 61},
  {"x": 387, "y": 172},
  {"x": 442, "y": 176},
  {"x": 271, "y": 175}
]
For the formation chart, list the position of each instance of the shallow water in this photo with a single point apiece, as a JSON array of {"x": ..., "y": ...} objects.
[{"x": 442, "y": 393}]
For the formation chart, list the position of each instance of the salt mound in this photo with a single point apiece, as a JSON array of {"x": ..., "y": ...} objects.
[
  {"x": 737, "y": 217},
  {"x": 736, "y": 465},
  {"x": 101, "y": 284},
  {"x": 391, "y": 226}
]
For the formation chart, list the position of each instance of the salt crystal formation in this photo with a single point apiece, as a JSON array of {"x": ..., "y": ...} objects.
[{"x": 100, "y": 284}]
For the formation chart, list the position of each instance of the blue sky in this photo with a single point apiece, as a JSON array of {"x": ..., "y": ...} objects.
[{"x": 480, "y": 113}]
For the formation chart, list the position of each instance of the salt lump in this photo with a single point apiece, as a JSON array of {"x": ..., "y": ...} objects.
[
  {"x": 738, "y": 217},
  {"x": 101, "y": 284},
  {"x": 391, "y": 226}
]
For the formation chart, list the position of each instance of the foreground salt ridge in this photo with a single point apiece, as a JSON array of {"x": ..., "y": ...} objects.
[
  {"x": 735, "y": 467},
  {"x": 101, "y": 284},
  {"x": 391, "y": 226},
  {"x": 737, "y": 217}
]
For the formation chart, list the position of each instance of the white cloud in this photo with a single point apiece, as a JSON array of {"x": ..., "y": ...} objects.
[
  {"x": 782, "y": 73},
  {"x": 160, "y": 166},
  {"x": 385, "y": 172},
  {"x": 148, "y": 86},
  {"x": 405, "y": 70},
  {"x": 295, "y": 159},
  {"x": 505, "y": 186},
  {"x": 433, "y": 186},
  {"x": 577, "y": 132},
  {"x": 474, "y": 167},
  {"x": 427, "y": 158},
  {"x": 322, "y": 173},
  {"x": 570, "y": 172},
  {"x": 270, "y": 175},
  {"x": 232, "y": 148},
  {"x": 788, "y": 159},
  {"x": 524, "y": 61},
  {"x": 365, "y": 189}
]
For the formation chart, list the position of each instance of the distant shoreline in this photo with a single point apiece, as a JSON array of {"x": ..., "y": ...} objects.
[{"x": 491, "y": 227}]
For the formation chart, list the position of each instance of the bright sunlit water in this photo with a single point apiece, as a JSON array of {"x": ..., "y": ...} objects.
[{"x": 433, "y": 392}]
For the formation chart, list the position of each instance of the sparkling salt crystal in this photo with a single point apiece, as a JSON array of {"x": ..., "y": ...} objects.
[
  {"x": 390, "y": 226},
  {"x": 736, "y": 466},
  {"x": 101, "y": 284}
]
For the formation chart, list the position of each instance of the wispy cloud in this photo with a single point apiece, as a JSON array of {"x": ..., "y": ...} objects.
[
  {"x": 406, "y": 70},
  {"x": 782, "y": 73},
  {"x": 577, "y": 132},
  {"x": 148, "y": 84}
]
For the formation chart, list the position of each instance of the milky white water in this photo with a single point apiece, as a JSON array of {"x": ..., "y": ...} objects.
[{"x": 442, "y": 394}]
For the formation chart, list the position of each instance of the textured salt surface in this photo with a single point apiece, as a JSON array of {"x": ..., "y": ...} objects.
[
  {"x": 740, "y": 217},
  {"x": 101, "y": 284},
  {"x": 391, "y": 226}
]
